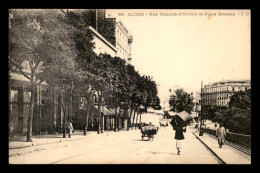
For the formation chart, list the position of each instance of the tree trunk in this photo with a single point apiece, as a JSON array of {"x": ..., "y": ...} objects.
[
  {"x": 88, "y": 107},
  {"x": 70, "y": 103},
  {"x": 64, "y": 116},
  {"x": 129, "y": 119},
  {"x": 102, "y": 122},
  {"x": 133, "y": 118},
  {"x": 140, "y": 118},
  {"x": 29, "y": 122},
  {"x": 118, "y": 120},
  {"x": 115, "y": 121},
  {"x": 40, "y": 111},
  {"x": 64, "y": 121},
  {"x": 99, "y": 113},
  {"x": 136, "y": 119}
]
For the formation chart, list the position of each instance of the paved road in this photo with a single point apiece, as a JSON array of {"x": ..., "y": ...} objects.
[{"x": 124, "y": 147}]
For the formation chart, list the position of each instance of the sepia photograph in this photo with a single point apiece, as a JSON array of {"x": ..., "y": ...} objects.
[{"x": 129, "y": 86}]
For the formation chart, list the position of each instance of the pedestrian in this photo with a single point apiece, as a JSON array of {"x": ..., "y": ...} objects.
[
  {"x": 70, "y": 128},
  {"x": 179, "y": 128},
  {"x": 221, "y": 134},
  {"x": 197, "y": 127}
]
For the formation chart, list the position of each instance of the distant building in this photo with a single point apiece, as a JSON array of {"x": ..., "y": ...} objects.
[
  {"x": 123, "y": 42},
  {"x": 164, "y": 93},
  {"x": 219, "y": 93}
]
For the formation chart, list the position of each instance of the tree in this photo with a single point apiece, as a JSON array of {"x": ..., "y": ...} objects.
[
  {"x": 85, "y": 55},
  {"x": 60, "y": 69},
  {"x": 119, "y": 82},
  {"x": 241, "y": 100},
  {"x": 102, "y": 80},
  {"x": 134, "y": 93},
  {"x": 181, "y": 101},
  {"x": 31, "y": 42}
]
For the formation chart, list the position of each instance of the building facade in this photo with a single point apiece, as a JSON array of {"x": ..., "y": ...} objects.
[
  {"x": 101, "y": 44},
  {"x": 219, "y": 93},
  {"x": 123, "y": 42}
]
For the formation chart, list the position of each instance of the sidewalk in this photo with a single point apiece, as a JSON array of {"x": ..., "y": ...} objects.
[
  {"x": 20, "y": 141},
  {"x": 227, "y": 153}
]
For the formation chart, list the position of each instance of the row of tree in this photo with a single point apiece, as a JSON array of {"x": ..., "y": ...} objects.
[
  {"x": 58, "y": 48},
  {"x": 236, "y": 116}
]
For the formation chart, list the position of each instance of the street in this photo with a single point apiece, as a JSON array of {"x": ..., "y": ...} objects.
[{"x": 124, "y": 147}]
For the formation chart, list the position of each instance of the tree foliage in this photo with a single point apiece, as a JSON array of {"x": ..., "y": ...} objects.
[
  {"x": 236, "y": 117},
  {"x": 181, "y": 101}
]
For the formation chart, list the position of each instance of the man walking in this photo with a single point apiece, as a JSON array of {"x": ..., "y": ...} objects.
[
  {"x": 179, "y": 129},
  {"x": 221, "y": 134}
]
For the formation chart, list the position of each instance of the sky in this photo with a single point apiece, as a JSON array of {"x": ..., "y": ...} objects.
[{"x": 185, "y": 50}]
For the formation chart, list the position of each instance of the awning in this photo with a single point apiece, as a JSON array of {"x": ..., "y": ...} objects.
[
  {"x": 122, "y": 112},
  {"x": 104, "y": 110}
]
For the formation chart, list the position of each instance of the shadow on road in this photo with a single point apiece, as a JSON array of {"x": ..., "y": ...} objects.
[
  {"x": 162, "y": 153},
  {"x": 145, "y": 140}
]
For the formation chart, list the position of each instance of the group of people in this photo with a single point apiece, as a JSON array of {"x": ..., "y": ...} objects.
[{"x": 180, "y": 128}]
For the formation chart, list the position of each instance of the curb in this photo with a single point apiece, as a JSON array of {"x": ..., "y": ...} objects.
[{"x": 219, "y": 159}]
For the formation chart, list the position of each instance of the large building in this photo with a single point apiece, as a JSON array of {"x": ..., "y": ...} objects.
[
  {"x": 123, "y": 42},
  {"x": 219, "y": 93}
]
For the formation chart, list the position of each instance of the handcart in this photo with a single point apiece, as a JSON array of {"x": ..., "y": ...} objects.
[{"x": 148, "y": 131}]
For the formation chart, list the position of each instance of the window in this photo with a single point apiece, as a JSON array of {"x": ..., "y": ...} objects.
[
  {"x": 14, "y": 95},
  {"x": 26, "y": 96}
]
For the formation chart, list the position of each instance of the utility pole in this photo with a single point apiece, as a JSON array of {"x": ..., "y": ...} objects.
[{"x": 201, "y": 109}]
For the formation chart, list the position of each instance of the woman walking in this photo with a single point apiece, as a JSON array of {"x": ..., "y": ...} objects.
[{"x": 179, "y": 128}]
